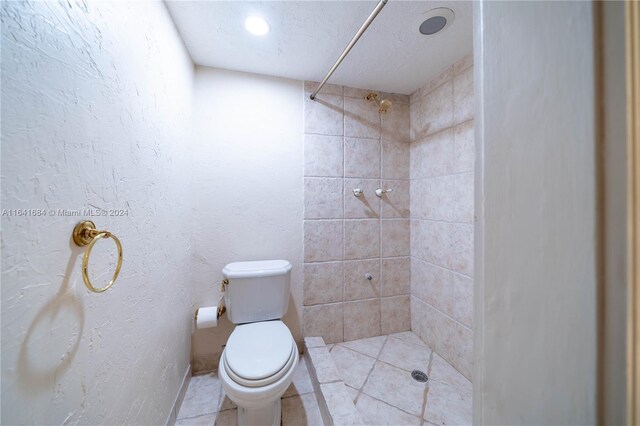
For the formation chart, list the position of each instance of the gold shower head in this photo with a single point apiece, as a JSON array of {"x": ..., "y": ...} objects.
[{"x": 383, "y": 105}]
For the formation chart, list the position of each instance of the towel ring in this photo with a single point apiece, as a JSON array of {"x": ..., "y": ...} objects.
[{"x": 86, "y": 234}]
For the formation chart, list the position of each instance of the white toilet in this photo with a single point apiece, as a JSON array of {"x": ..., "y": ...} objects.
[{"x": 258, "y": 362}]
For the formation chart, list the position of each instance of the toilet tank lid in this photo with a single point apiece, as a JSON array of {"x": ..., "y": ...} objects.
[{"x": 257, "y": 268}]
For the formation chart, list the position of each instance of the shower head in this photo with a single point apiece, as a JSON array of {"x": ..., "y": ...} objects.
[{"x": 383, "y": 105}]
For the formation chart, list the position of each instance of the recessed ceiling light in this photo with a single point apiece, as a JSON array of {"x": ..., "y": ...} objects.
[
  {"x": 435, "y": 21},
  {"x": 256, "y": 25}
]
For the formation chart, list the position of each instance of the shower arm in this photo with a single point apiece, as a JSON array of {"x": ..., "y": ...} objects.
[{"x": 352, "y": 43}]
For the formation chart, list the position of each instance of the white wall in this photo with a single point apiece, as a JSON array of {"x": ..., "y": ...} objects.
[
  {"x": 535, "y": 196},
  {"x": 96, "y": 103},
  {"x": 247, "y": 183}
]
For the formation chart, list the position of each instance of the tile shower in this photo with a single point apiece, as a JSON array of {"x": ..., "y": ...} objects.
[{"x": 416, "y": 242}]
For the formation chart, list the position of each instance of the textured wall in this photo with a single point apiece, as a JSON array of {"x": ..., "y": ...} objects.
[
  {"x": 247, "y": 178},
  {"x": 349, "y": 144},
  {"x": 442, "y": 214},
  {"x": 536, "y": 207},
  {"x": 96, "y": 102}
]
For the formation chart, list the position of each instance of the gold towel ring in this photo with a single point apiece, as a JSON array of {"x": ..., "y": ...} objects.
[{"x": 85, "y": 234}]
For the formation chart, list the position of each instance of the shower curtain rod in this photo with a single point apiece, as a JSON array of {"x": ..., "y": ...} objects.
[{"x": 352, "y": 43}]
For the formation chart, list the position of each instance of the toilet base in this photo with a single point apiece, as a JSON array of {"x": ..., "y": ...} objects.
[{"x": 263, "y": 416}]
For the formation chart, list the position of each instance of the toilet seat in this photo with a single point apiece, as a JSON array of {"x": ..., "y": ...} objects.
[{"x": 258, "y": 354}]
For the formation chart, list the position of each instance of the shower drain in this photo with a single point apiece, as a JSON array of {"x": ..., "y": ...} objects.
[{"x": 419, "y": 376}]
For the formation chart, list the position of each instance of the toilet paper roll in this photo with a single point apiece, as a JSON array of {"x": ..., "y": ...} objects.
[{"x": 207, "y": 317}]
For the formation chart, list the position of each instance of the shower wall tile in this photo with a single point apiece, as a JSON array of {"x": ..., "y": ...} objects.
[
  {"x": 395, "y": 123},
  {"x": 322, "y": 240},
  {"x": 395, "y": 204},
  {"x": 324, "y": 116},
  {"x": 442, "y": 155},
  {"x": 361, "y": 239},
  {"x": 463, "y": 96},
  {"x": 395, "y": 314},
  {"x": 464, "y": 147},
  {"x": 361, "y": 319},
  {"x": 323, "y": 156},
  {"x": 348, "y": 145},
  {"x": 367, "y": 205},
  {"x": 361, "y": 118},
  {"x": 395, "y": 276},
  {"x": 325, "y": 321},
  {"x": 322, "y": 283},
  {"x": 362, "y": 158},
  {"x": 395, "y": 237},
  {"x": 395, "y": 160},
  {"x": 323, "y": 198},
  {"x": 356, "y": 286}
]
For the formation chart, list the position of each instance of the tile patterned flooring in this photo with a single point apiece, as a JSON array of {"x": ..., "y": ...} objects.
[{"x": 376, "y": 371}]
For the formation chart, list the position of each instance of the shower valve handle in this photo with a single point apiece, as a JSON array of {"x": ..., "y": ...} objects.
[{"x": 380, "y": 192}]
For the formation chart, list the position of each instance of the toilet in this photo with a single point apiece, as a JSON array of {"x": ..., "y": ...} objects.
[{"x": 260, "y": 357}]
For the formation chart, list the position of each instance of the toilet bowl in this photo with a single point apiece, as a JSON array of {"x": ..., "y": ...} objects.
[
  {"x": 260, "y": 357},
  {"x": 256, "y": 368}
]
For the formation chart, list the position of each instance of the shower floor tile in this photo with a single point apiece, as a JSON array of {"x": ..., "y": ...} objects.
[
  {"x": 205, "y": 402},
  {"x": 389, "y": 395}
]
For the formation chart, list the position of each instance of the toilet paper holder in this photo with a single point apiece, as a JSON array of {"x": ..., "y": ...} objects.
[{"x": 222, "y": 308}]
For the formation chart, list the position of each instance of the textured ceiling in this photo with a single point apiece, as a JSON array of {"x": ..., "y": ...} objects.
[{"x": 308, "y": 36}]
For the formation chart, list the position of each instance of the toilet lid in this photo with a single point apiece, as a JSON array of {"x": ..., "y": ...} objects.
[{"x": 259, "y": 350}]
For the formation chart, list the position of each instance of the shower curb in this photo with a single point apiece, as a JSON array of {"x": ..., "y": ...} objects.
[{"x": 334, "y": 401}]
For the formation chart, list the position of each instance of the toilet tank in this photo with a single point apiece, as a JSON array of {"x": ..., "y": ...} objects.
[{"x": 257, "y": 290}]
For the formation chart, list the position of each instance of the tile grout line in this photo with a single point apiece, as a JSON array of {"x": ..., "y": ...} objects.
[
  {"x": 426, "y": 389},
  {"x": 373, "y": 366}
]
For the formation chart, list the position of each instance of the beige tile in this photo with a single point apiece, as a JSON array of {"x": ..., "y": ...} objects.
[
  {"x": 439, "y": 198},
  {"x": 361, "y": 118},
  {"x": 434, "y": 112},
  {"x": 324, "y": 115},
  {"x": 436, "y": 240},
  {"x": 462, "y": 248},
  {"x": 395, "y": 160},
  {"x": 353, "y": 92},
  {"x": 395, "y": 237},
  {"x": 447, "y": 405},
  {"x": 406, "y": 355},
  {"x": 395, "y": 123},
  {"x": 227, "y": 418},
  {"x": 375, "y": 412},
  {"x": 395, "y": 387},
  {"x": 417, "y": 245},
  {"x": 463, "y": 211},
  {"x": 361, "y": 319},
  {"x": 324, "y": 321},
  {"x": 356, "y": 286},
  {"x": 323, "y": 156},
  {"x": 301, "y": 381},
  {"x": 353, "y": 393},
  {"x": 226, "y": 403},
  {"x": 322, "y": 283},
  {"x": 433, "y": 285},
  {"x": 395, "y": 204},
  {"x": 439, "y": 80},
  {"x": 417, "y": 315},
  {"x": 461, "y": 348},
  {"x": 206, "y": 419},
  {"x": 410, "y": 337},
  {"x": 362, "y": 158},
  {"x": 367, "y": 205},
  {"x": 464, "y": 147},
  {"x": 354, "y": 367},
  {"x": 202, "y": 396},
  {"x": 361, "y": 239},
  {"x": 314, "y": 342},
  {"x": 415, "y": 159},
  {"x": 323, "y": 198},
  {"x": 322, "y": 240},
  {"x": 418, "y": 190},
  {"x": 322, "y": 366},
  {"x": 327, "y": 89},
  {"x": 441, "y": 371},
  {"x": 418, "y": 278},
  {"x": 436, "y": 154},
  {"x": 395, "y": 314},
  {"x": 463, "y": 299},
  {"x": 463, "y": 64},
  {"x": 396, "y": 98},
  {"x": 370, "y": 346},
  {"x": 341, "y": 408},
  {"x": 301, "y": 410},
  {"x": 463, "y": 96},
  {"x": 395, "y": 276}
]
